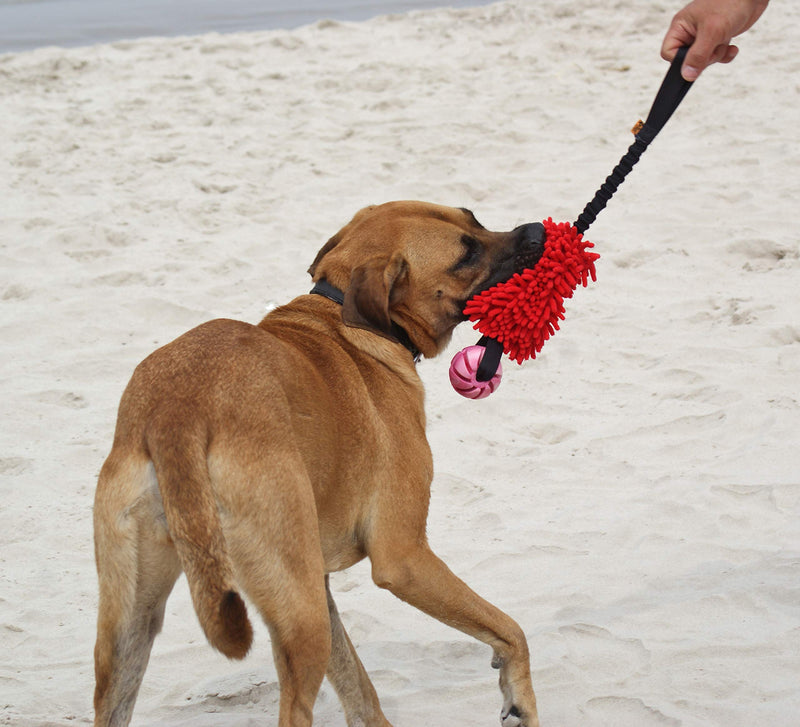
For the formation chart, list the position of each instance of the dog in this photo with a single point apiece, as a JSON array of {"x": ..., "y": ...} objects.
[{"x": 259, "y": 459}]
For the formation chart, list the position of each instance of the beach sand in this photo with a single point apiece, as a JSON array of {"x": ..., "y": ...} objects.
[{"x": 631, "y": 497}]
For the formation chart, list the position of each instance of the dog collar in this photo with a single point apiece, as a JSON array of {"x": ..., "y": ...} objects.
[{"x": 331, "y": 292}]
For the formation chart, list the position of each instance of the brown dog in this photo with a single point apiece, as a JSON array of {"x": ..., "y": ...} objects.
[{"x": 258, "y": 459}]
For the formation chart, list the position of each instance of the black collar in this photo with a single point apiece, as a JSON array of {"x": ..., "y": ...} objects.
[{"x": 331, "y": 292}]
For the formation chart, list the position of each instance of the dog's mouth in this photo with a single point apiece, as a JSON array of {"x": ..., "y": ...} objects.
[{"x": 528, "y": 249}]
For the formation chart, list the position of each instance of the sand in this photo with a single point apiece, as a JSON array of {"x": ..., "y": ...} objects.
[{"x": 631, "y": 497}]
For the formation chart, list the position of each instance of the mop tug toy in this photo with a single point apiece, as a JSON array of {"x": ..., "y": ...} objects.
[{"x": 517, "y": 317}]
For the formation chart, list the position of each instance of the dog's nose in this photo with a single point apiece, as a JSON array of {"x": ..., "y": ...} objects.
[
  {"x": 530, "y": 245},
  {"x": 530, "y": 234}
]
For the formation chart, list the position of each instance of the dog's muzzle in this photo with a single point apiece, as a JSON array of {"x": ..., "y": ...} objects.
[{"x": 527, "y": 247}]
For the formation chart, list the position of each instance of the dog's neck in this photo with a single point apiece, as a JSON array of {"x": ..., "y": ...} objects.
[{"x": 325, "y": 289}]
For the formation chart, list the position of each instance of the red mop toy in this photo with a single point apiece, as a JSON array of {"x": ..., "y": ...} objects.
[{"x": 517, "y": 316}]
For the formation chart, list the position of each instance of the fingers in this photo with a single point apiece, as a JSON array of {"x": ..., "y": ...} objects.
[
  {"x": 680, "y": 33},
  {"x": 730, "y": 53},
  {"x": 698, "y": 57},
  {"x": 711, "y": 45},
  {"x": 708, "y": 26}
]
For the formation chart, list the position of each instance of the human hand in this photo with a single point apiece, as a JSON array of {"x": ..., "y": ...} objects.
[{"x": 708, "y": 26}]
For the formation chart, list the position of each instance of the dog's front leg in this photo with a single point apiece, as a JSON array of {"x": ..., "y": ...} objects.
[{"x": 413, "y": 573}]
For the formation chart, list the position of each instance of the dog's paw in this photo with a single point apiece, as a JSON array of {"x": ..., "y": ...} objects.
[
  {"x": 514, "y": 716},
  {"x": 511, "y": 717}
]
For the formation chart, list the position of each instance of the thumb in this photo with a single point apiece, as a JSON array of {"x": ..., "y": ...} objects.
[{"x": 691, "y": 71}]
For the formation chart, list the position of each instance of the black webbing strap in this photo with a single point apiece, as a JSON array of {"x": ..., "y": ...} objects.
[
  {"x": 673, "y": 89},
  {"x": 491, "y": 358}
]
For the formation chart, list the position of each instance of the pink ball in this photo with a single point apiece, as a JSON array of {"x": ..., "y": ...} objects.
[{"x": 463, "y": 369}]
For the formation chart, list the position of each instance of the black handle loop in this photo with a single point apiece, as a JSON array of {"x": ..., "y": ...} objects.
[{"x": 673, "y": 88}]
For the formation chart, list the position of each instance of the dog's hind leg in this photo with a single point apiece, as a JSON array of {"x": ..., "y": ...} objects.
[
  {"x": 137, "y": 567},
  {"x": 277, "y": 558},
  {"x": 349, "y": 678}
]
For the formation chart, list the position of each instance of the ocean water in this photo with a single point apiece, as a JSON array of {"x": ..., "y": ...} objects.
[{"x": 28, "y": 24}]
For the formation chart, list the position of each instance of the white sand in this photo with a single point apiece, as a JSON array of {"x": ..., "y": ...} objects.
[{"x": 632, "y": 497}]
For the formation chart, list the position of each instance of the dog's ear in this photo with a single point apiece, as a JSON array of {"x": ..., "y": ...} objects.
[
  {"x": 373, "y": 286},
  {"x": 326, "y": 248}
]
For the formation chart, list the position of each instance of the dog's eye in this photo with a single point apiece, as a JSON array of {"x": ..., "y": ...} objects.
[{"x": 472, "y": 251}]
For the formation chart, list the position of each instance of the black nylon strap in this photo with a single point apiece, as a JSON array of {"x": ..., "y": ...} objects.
[
  {"x": 673, "y": 88},
  {"x": 491, "y": 358}
]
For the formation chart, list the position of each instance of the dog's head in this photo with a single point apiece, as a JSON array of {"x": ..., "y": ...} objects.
[{"x": 416, "y": 264}]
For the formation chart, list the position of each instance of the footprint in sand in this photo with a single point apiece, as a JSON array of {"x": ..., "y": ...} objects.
[
  {"x": 763, "y": 254},
  {"x": 14, "y": 466},
  {"x": 624, "y": 710}
]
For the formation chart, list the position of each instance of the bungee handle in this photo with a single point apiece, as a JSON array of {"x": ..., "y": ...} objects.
[{"x": 673, "y": 88}]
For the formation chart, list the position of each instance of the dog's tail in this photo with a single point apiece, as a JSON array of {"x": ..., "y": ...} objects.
[{"x": 180, "y": 460}]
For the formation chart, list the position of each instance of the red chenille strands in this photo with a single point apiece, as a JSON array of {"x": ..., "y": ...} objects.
[{"x": 523, "y": 312}]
